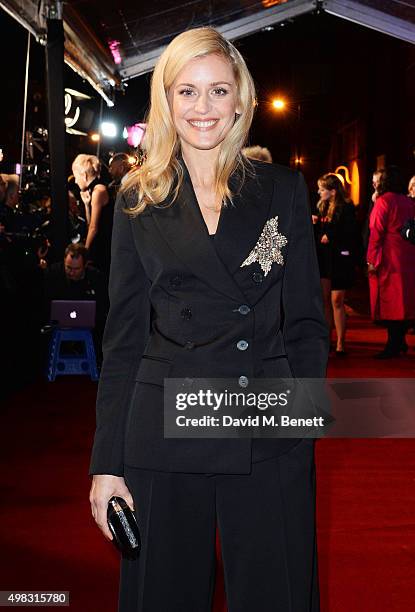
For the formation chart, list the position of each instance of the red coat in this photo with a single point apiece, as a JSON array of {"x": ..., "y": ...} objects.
[{"x": 392, "y": 287}]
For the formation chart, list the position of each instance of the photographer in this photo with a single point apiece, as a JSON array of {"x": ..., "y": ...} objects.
[{"x": 72, "y": 279}]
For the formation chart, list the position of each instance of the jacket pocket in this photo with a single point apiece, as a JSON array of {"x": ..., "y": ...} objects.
[
  {"x": 276, "y": 366},
  {"x": 153, "y": 370}
]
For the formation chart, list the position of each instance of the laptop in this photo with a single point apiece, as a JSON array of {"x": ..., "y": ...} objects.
[{"x": 73, "y": 313}]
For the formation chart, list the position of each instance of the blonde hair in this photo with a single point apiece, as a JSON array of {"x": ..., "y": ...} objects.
[
  {"x": 257, "y": 152},
  {"x": 161, "y": 170},
  {"x": 89, "y": 164}
]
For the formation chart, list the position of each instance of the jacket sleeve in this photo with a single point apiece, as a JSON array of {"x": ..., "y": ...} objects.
[
  {"x": 126, "y": 334},
  {"x": 305, "y": 329},
  {"x": 377, "y": 224}
]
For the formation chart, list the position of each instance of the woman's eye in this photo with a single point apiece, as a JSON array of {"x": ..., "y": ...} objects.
[
  {"x": 220, "y": 91},
  {"x": 186, "y": 92}
]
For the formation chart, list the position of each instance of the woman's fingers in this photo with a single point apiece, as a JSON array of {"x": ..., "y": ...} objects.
[
  {"x": 103, "y": 488},
  {"x": 101, "y": 518}
]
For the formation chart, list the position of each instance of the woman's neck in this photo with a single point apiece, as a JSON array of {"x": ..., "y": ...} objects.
[{"x": 201, "y": 166}]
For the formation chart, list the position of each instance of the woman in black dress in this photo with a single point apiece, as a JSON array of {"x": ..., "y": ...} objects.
[
  {"x": 99, "y": 210},
  {"x": 337, "y": 251}
]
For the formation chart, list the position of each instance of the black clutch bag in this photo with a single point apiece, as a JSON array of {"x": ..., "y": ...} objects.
[{"x": 124, "y": 528}]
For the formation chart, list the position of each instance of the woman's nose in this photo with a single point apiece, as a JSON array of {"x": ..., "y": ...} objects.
[{"x": 202, "y": 104}]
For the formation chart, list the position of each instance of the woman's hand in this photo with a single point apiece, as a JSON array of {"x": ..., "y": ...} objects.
[
  {"x": 324, "y": 239},
  {"x": 85, "y": 197},
  {"x": 314, "y": 219},
  {"x": 371, "y": 268},
  {"x": 104, "y": 486}
]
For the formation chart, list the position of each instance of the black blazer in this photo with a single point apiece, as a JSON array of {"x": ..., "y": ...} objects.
[{"x": 180, "y": 304}]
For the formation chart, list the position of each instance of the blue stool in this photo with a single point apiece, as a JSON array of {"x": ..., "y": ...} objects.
[{"x": 72, "y": 364}]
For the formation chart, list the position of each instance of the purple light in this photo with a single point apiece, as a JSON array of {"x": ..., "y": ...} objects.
[
  {"x": 114, "y": 46},
  {"x": 135, "y": 134}
]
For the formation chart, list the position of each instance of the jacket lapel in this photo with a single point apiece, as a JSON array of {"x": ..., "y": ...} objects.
[
  {"x": 183, "y": 228},
  {"x": 242, "y": 222},
  {"x": 240, "y": 225}
]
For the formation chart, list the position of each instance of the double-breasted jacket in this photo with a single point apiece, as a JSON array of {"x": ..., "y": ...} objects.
[{"x": 185, "y": 305}]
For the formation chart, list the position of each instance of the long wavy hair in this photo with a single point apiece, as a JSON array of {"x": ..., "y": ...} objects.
[
  {"x": 332, "y": 207},
  {"x": 161, "y": 173}
]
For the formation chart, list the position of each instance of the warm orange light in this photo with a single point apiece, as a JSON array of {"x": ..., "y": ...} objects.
[
  {"x": 132, "y": 160},
  {"x": 269, "y": 3},
  {"x": 278, "y": 103},
  {"x": 355, "y": 188},
  {"x": 95, "y": 137}
]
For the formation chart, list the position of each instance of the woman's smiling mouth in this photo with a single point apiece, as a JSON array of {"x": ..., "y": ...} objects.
[{"x": 203, "y": 125}]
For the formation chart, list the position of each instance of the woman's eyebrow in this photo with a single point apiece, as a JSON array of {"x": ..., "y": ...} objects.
[{"x": 211, "y": 84}]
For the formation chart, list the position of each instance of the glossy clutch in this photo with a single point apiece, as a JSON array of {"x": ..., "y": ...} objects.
[{"x": 124, "y": 528}]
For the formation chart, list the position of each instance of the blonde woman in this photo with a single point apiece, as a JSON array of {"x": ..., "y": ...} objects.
[
  {"x": 257, "y": 152},
  {"x": 213, "y": 274},
  {"x": 99, "y": 209}
]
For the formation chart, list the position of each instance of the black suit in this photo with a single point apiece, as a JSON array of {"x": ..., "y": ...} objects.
[
  {"x": 176, "y": 312},
  {"x": 175, "y": 301}
]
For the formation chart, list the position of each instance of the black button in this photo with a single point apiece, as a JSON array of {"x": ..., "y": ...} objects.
[
  {"x": 257, "y": 277},
  {"x": 189, "y": 346},
  {"x": 244, "y": 309},
  {"x": 186, "y": 313},
  {"x": 175, "y": 281}
]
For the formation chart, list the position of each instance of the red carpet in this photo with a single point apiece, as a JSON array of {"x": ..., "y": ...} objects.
[{"x": 48, "y": 540}]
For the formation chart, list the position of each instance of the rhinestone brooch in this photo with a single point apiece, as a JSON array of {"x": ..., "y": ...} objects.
[{"x": 268, "y": 248}]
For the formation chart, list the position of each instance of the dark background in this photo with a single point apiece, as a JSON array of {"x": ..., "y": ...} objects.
[{"x": 355, "y": 88}]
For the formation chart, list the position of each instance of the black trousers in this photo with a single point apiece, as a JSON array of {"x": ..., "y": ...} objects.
[{"x": 266, "y": 522}]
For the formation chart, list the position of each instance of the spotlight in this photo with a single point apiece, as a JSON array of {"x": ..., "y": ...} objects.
[{"x": 108, "y": 129}]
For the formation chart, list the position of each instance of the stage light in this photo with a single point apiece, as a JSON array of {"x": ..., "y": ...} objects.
[
  {"x": 108, "y": 129},
  {"x": 278, "y": 104},
  {"x": 95, "y": 137},
  {"x": 125, "y": 133}
]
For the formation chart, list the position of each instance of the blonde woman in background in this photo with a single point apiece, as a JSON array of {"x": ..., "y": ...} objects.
[
  {"x": 99, "y": 210},
  {"x": 257, "y": 152},
  {"x": 196, "y": 292}
]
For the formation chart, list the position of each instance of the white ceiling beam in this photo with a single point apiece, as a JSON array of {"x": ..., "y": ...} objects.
[{"x": 371, "y": 18}]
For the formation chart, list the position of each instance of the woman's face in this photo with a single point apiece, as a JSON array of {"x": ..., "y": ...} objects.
[
  {"x": 411, "y": 187},
  {"x": 203, "y": 102},
  {"x": 324, "y": 193}
]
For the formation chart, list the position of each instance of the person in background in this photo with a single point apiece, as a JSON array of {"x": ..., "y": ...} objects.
[
  {"x": 99, "y": 209},
  {"x": 3, "y": 188},
  {"x": 391, "y": 262},
  {"x": 257, "y": 152},
  {"x": 411, "y": 188},
  {"x": 119, "y": 167},
  {"x": 72, "y": 279},
  {"x": 365, "y": 231},
  {"x": 337, "y": 250}
]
